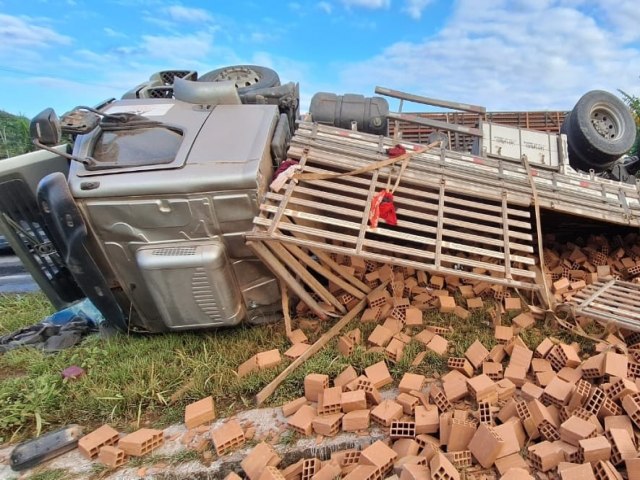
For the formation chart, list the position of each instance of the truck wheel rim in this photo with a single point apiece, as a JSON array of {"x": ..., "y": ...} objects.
[
  {"x": 241, "y": 76},
  {"x": 606, "y": 122}
]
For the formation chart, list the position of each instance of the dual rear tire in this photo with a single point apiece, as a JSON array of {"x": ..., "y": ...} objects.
[{"x": 600, "y": 129}]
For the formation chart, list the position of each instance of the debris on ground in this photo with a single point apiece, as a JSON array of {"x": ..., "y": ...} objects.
[{"x": 59, "y": 331}]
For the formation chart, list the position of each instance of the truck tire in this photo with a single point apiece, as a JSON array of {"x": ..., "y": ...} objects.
[
  {"x": 247, "y": 78},
  {"x": 600, "y": 129},
  {"x": 575, "y": 160}
]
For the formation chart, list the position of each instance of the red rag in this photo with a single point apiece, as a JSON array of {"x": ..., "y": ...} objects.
[
  {"x": 283, "y": 166},
  {"x": 388, "y": 210},
  {"x": 382, "y": 207},
  {"x": 396, "y": 151}
]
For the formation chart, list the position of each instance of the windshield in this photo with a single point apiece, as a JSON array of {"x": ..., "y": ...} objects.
[{"x": 135, "y": 147}]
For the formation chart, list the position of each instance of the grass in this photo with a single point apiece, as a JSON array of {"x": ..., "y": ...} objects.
[{"x": 135, "y": 381}]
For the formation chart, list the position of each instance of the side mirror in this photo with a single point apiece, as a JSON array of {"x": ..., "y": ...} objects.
[{"x": 45, "y": 128}]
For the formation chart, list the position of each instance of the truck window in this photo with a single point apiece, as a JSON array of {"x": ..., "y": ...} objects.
[{"x": 137, "y": 147}]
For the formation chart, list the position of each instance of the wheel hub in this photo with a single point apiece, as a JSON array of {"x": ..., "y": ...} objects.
[
  {"x": 242, "y": 77},
  {"x": 605, "y": 122}
]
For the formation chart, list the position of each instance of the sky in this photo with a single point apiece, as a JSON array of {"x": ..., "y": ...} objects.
[{"x": 501, "y": 54}]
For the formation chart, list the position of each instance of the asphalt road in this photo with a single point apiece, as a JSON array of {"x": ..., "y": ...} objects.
[{"x": 13, "y": 277}]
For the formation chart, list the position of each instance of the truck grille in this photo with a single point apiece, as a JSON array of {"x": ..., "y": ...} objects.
[{"x": 20, "y": 214}]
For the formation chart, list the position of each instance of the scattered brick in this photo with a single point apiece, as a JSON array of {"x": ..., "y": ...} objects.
[
  {"x": 258, "y": 459},
  {"x": 302, "y": 420},
  {"x": 112, "y": 457},
  {"x": 199, "y": 413},
  {"x": 90, "y": 444},
  {"x": 476, "y": 354},
  {"x": 356, "y": 420},
  {"x": 141, "y": 442},
  {"x": 378, "y": 374},
  {"x": 293, "y": 406},
  {"x": 315, "y": 383}
]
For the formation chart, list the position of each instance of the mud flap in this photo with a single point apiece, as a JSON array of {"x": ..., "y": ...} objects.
[{"x": 69, "y": 232}]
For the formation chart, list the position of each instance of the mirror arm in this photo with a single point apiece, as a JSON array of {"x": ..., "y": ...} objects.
[{"x": 88, "y": 162}]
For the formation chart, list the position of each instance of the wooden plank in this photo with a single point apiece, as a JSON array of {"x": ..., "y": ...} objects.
[
  {"x": 440, "y": 224},
  {"x": 284, "y": 297},
  {"x": 312, "y": 282},
  {"x": 325, "y": 272},
  {"x": 263, "y": 253},
  {"x": 595, "y": 294},
  {"x": 267, "y": 391},
  {"x": 367, "y": 211},
  {"x": 507, "y": 243}
]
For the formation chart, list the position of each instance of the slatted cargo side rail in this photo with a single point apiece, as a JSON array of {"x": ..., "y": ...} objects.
[
  {"x": 446, "y": 225},
  {"x": 615, "y": 301},
  {"x": 576, "y": 194},
  {"x": 542, "y": 121}
]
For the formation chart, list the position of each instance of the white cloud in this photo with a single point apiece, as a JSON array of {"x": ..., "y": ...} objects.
[
  {"x": 625, "y": 18},
  {"x": 110, "y": 32},
  {"x": 506, "y": 55},
  {"x": 326, "y": 7},
  {"x": 372, "y": 4},
  {"x": 179, "y": 13},
  {"x": 24, "y": 32},
  {"x": 177, "y": 48},
  {"x": 414, "y": 8}
]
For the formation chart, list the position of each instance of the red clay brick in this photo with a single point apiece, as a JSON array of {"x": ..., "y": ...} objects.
[
  {"x": 301, "y": 421},
  {"x": 355, "y": 400},
  {"x": 261, "y": 456},
  {"x": 90, "y": 444},
  {"x": 315, "y": 383},
  {"x": 227, "y": 437},
  {"x": 378, "y": 374},
  {"x": 200, "y": 412},
  {"x": 476, "y": 354},
  {"x": 141, "y": 442},
  {"x": 111, "y": 456},
  {"x": 486, "y": 445},
  {"x": 293, "y": 406}
]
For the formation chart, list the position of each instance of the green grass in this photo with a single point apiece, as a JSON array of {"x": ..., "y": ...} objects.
[{"x": 138, "y": 380}]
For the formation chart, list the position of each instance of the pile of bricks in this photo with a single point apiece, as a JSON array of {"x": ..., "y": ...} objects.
[
  {"x": 548, "y": 413},
  {"x": 503, "y": 412}
]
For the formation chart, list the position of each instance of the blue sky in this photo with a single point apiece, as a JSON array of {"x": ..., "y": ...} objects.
[{"x": 503, "y": 54}]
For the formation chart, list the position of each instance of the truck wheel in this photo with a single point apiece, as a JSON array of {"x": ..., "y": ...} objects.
[
  {"x": 600, "y": 129},
  {"x": 247, "y": 78},
  {"x": 575, "y": 160}
]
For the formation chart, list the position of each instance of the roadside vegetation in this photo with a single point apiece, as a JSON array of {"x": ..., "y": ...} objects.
[
  {"x": 14, "y": 135},
  {"x": 137, "y": 380},
  {"x": 634, "y": 105}
]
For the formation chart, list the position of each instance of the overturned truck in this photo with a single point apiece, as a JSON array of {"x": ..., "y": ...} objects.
[{"x": 163, "y": 211}]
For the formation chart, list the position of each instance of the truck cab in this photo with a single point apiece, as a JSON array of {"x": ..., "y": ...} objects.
[{"x": 146, "y": 215}]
